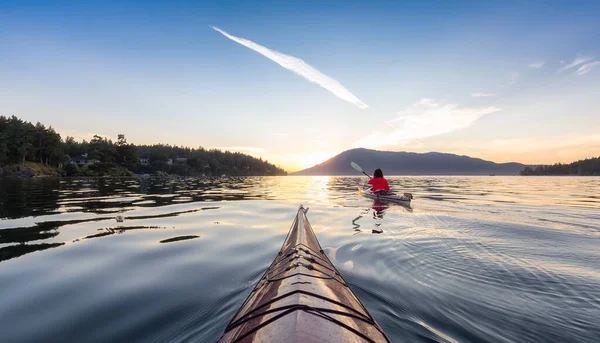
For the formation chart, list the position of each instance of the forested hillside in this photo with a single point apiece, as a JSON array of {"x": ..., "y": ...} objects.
[
  {"x": 589, "y": 166},
  {"x": 22, "y": 143}
]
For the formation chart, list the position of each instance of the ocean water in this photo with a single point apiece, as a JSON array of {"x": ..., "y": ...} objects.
[{"x": 473, "y": 259}]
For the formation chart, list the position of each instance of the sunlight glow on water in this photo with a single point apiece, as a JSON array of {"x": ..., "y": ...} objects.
[{"x": 473, "y": 259}]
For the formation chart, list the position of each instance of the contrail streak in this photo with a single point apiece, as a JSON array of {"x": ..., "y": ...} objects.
[{"x": 299, "y": 67}]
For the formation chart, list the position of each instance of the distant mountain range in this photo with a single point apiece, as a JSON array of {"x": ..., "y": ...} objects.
[{"x": 410, "y": 163}]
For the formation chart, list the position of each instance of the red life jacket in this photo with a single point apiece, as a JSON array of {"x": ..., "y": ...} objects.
[{"x": 379, "y": 184}]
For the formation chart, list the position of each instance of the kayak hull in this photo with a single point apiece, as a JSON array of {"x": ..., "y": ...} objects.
[
  {"x": 302, "y": 298},
  {"x": 393, "y": 198}
]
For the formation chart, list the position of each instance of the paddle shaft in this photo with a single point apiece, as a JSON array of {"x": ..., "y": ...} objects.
[{"x": 356, "y": 167}]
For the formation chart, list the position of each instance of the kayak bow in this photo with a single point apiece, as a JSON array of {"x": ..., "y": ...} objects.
[{"x": 302, "y": 298}]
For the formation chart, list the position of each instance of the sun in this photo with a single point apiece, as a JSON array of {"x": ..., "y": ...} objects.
[{"x": 300, "y": 161}]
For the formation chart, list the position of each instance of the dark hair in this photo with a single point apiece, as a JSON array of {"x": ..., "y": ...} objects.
[{"x": 377, "y": 173}]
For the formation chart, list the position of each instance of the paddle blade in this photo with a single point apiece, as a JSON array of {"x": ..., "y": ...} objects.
[{"x": 356, "y": 167}]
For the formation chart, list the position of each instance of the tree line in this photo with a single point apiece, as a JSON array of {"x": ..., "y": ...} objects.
[
  {"x": 589, "y": 166},
  {"x": 22, "y": 141}
]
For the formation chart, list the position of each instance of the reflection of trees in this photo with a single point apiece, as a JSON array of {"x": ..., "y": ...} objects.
[
  {"x": 6, "y": 253},
  {"x": 179, "y": 238},
  {"x": 28, "y": 197},
  {"x": 118, "y": 230},
  {"x": 27, "y": 234},
  {"x": 104, "y": 196}
]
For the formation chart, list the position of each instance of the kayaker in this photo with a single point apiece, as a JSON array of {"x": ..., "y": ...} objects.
[{"x": 378, "y": 182}]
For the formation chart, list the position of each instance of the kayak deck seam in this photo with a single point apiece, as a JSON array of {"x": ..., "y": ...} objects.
[
  {"x": 291, "y": 257},
  {"x": 317, "y": 311},
  {"x": 370, "y": 319}
]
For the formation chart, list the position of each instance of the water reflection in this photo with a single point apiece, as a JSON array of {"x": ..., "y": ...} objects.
[
  {"x": 12, "y": 251},
  {"x": 379, "y": 208},
  {"x": 49, "y": 206},
  {"x": 105, "y": 199},
  {"x": 473, "y": 258},
  {"x": 26, "y": 197},
  {"x": 179, "y": 238},
  {"x": 118, "y": 230}
]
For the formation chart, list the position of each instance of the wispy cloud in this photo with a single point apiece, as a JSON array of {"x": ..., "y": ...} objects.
[
  {"x": 280, "y": 134},
  {"x": 576, "y": 62},
  {"x": 586, "y": 68},
  {"x": 248, "y": 149},
  {"x": 514, "y": 77},
  {"x": 479, "y": 95},
  {"x": 299, "y": 67},
  {"x": 536, "y": 65},
  {"x": 424, "y": 119}
]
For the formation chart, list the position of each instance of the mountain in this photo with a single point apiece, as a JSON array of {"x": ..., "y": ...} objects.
[{"x": 410, "y": 163}]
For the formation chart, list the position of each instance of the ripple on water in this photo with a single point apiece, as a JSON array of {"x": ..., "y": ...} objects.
[{"x": 473, "y": 259}]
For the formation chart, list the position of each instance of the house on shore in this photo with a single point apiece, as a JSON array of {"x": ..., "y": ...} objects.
[{"x": 83, "y": 160}]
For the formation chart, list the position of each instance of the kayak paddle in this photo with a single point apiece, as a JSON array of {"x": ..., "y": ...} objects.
[{"x": 358, "y": 169}]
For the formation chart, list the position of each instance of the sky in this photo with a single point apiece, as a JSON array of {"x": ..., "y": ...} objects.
[{"x": 299, "y": 82}]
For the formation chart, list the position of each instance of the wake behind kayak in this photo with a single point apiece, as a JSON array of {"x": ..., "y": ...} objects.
[{"x": 302, "y": 298}]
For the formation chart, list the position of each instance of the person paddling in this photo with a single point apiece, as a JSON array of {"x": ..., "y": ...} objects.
[{"x": 378, "y": 182}]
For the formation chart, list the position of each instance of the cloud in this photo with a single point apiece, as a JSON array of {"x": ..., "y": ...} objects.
[
  {"x": 280, "y": 134},
  {"x": 247, "y": 149},
  {"x": 536, "y": 65},
  {"x": 586, "y": 68},
  {"x": 424, "y": 119},
  {"x": 299, "y": 67},
  {"x": 478, "y": 95},
  {"x": 514, "y": 77},
  {"x": 578, "y": 61}
]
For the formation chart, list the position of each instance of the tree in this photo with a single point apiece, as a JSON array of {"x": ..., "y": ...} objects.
[
  {"x": 126, "y": 154},
  {"x": 71, "y": 169},
  {"x": 53, "y": 148},
  {"x": 24, "y": 149},
  {"x": 101, "y": 149},
  {"x": 3, "y": 148}
]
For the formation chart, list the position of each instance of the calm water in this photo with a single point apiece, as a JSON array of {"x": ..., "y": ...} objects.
[{"x": 497, "y": 259}]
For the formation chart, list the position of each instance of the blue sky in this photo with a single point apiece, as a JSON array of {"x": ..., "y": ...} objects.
[{"x": 506, "y": 80}]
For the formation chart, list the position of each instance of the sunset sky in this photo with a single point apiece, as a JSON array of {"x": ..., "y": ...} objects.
[{"x": 297, "y": 83}]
